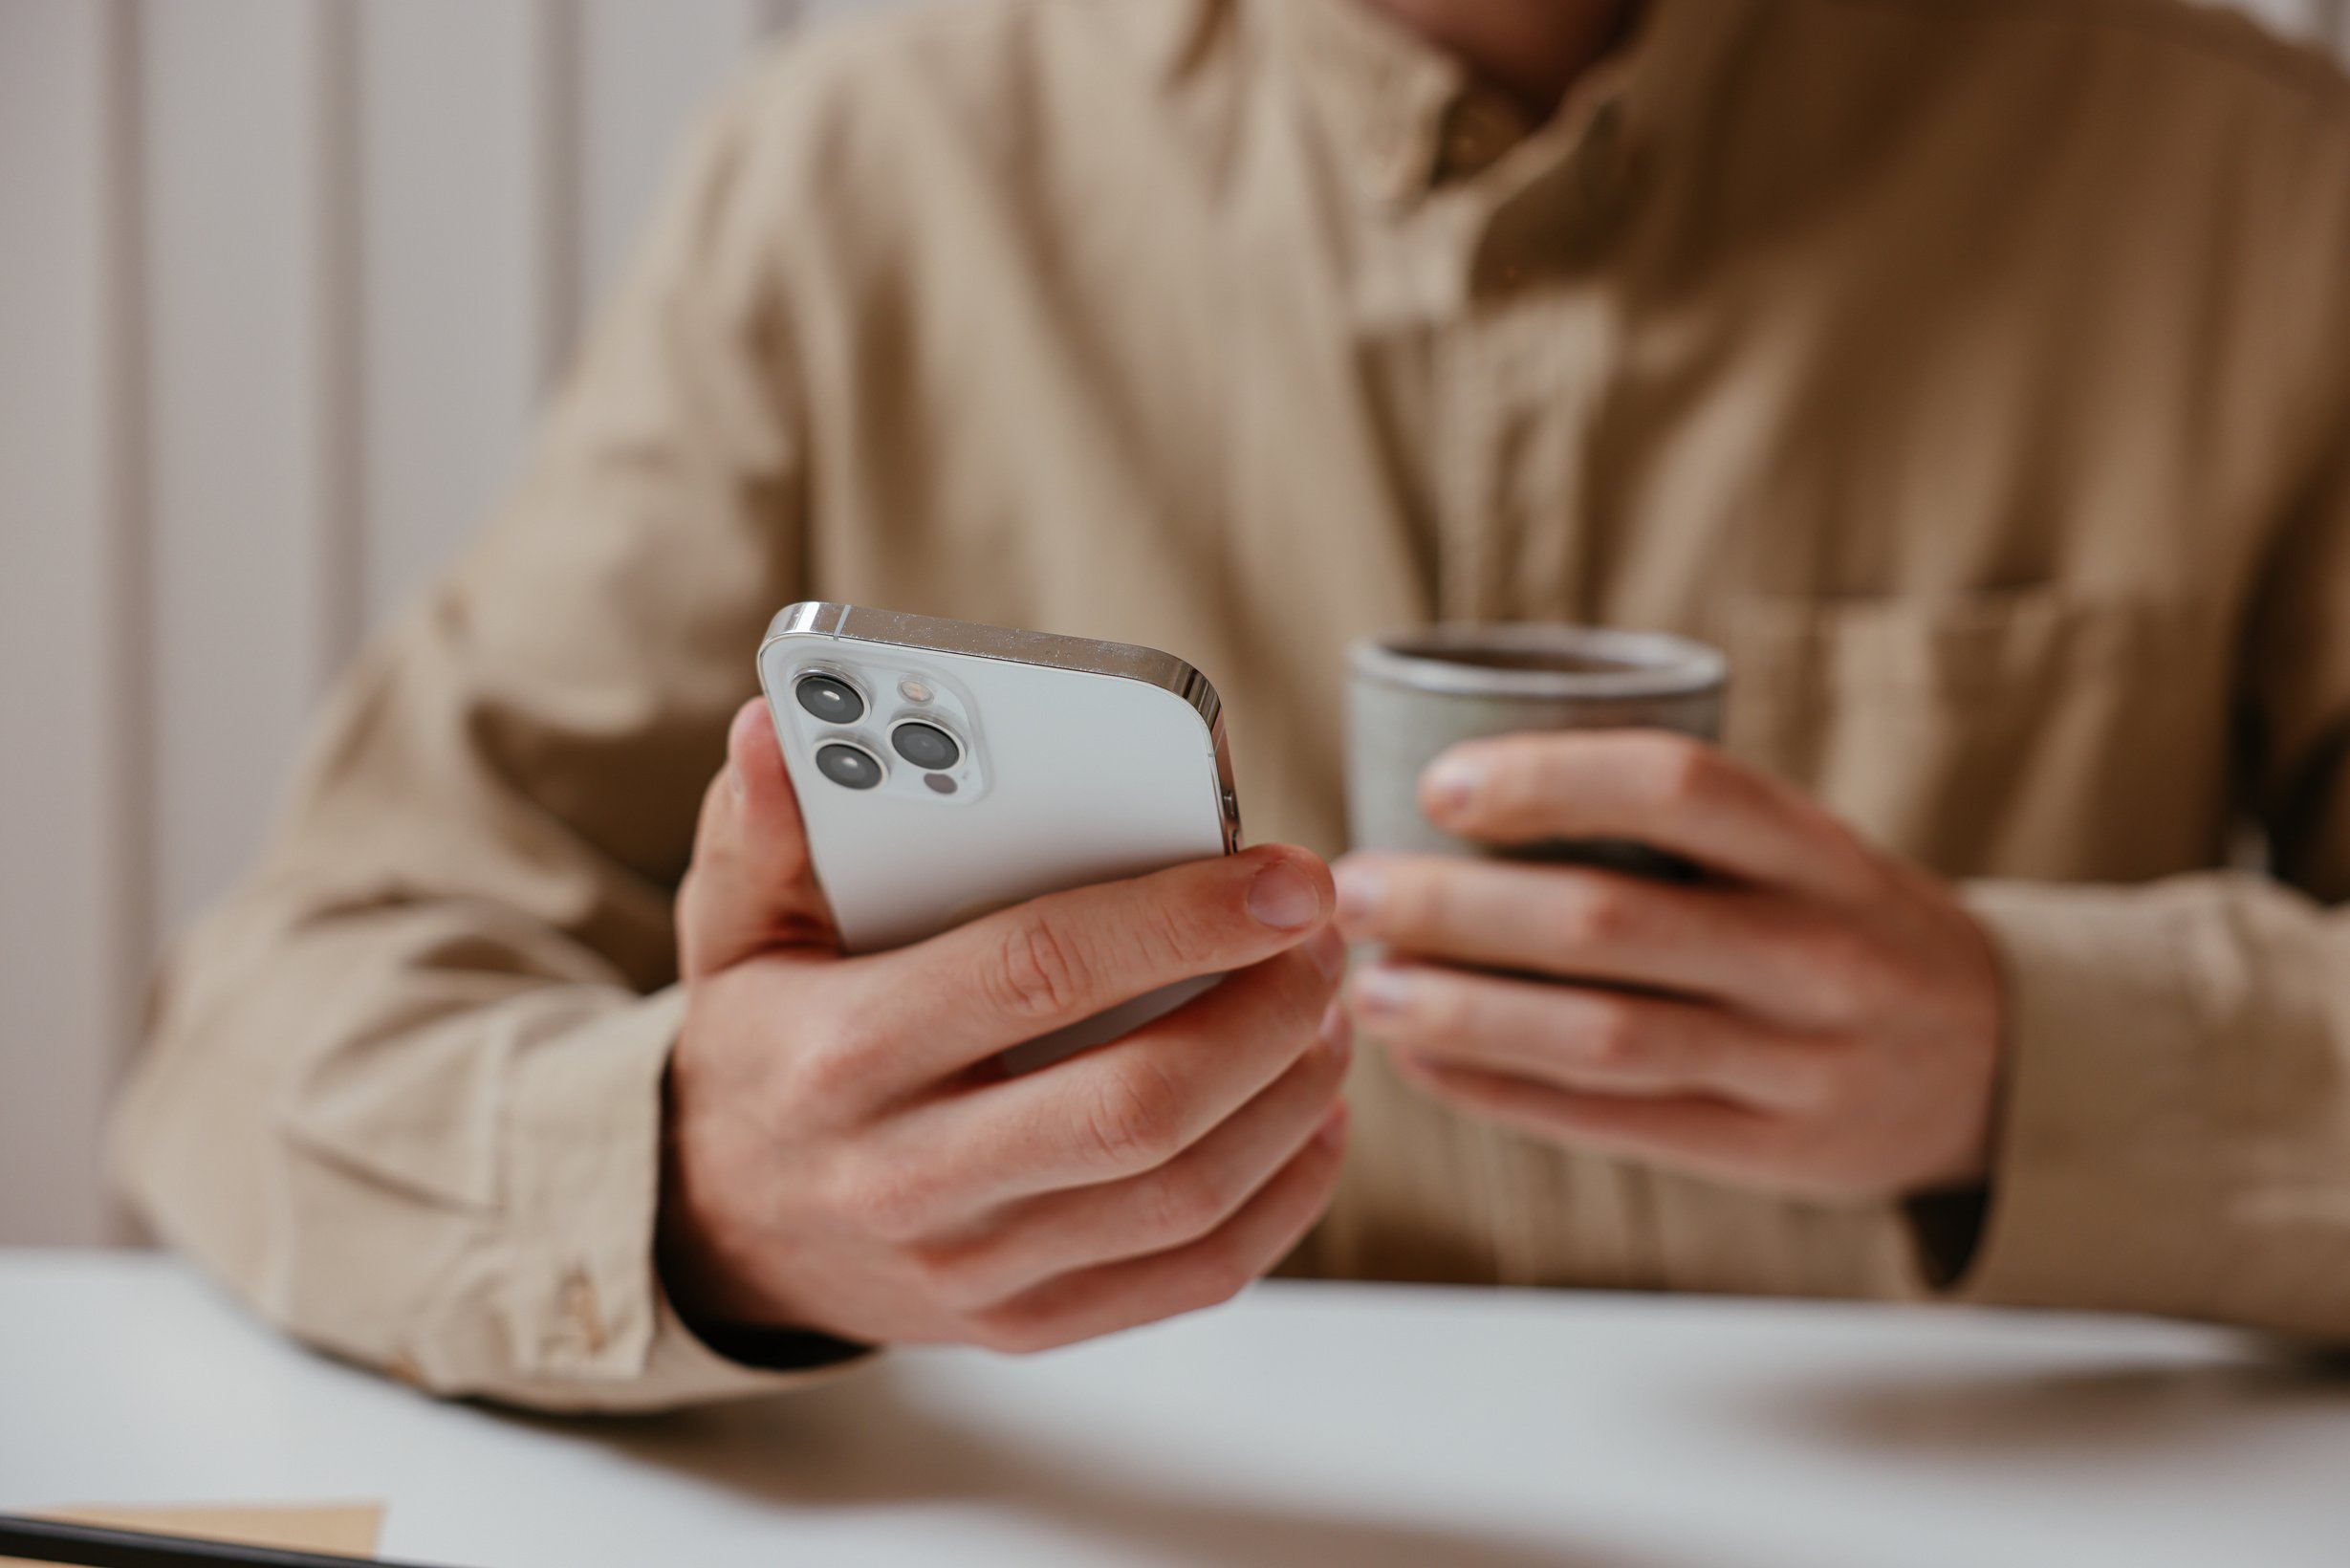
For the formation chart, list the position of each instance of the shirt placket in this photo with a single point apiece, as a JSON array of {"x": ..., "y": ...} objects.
[
  {"x": 1522, "y": 385},
  {"x": 1519, "y": 370}
]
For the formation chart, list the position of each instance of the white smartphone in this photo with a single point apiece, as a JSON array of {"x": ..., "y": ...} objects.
[{"x": 946, "y": 770}]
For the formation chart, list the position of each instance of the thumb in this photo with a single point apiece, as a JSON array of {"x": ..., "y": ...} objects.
[{"x": 751, "y": 888}]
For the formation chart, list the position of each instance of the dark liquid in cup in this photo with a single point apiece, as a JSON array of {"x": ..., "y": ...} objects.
[{"x": 1542, "y": 661}]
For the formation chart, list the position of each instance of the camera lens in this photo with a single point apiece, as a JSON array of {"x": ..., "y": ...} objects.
[
  {"x": 834, "y": 701},
  {"x": 926, "y": 745},
  {"x": 851, "y": 767}
]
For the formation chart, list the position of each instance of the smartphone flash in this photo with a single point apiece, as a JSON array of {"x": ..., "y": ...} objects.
[{"x": 913, "y": 690}]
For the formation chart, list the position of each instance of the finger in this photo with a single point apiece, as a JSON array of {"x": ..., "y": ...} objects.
[
  {"x": 1214, "y": 1269},
  {"x": 750, "y": 887},
  {"x": 1661, "y": 788},
  {"x": 1706, "y": 1137},
  {"x": 1759, "y": 950},
  {"x": 1189, "y": 1197},
  {"x": 1127, "y": 1107},
  {"x": 1594, "y": 1041},
  {"x": 1024, "y": 971}
]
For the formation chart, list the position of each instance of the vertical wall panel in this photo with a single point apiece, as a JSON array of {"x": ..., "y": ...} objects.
[
  {"x": 338, "y": 609},
  {"x": 818, "y": 10},
  {"x": 62, "y": 968},
  {"x": 451, "y": 160},
  {"x": 645, "y": 71},
  {"x": 231, "y": 264}
]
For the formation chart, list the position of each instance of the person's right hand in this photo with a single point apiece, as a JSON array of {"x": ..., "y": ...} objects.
[{"x": 843, "y": 1154}]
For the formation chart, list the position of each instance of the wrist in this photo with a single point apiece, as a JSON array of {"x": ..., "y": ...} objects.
[{"x": 693, "y": 1265}]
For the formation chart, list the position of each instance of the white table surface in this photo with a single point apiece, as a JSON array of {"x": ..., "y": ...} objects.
[{"x": 1305, "y": 1423}]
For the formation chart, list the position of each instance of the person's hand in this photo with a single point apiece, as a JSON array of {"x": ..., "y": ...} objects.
[
  {"x": 844, "y": 1155},
  {"x": 1813, "y": 1017}
]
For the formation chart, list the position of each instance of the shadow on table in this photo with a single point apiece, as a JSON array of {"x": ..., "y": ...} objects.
[
  {"x": 2120, "y": 1411},
  {"x": 859, "y": 1442}
]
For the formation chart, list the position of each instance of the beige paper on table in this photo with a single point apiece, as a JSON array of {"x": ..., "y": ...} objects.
[{"x": 346, "y": 1528}]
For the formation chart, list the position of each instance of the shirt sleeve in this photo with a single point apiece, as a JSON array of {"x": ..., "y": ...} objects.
[
  {"x": 2176, "y": 1130},
  {"x": 402, "y": 1091}
]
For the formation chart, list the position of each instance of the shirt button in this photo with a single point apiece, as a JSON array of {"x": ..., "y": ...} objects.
[
  {"x": 1477, "y": 134},
  {"x": 583, "y": 1312}
]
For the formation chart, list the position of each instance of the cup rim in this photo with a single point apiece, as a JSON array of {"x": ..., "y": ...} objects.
[{"x": 1414, "y": 660}]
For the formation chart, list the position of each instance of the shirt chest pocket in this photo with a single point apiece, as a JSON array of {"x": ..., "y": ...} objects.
[{"x": 2046, "y": 733}]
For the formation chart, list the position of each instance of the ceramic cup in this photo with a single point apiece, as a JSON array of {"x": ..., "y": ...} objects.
[{"x": 1414, "y": 694}]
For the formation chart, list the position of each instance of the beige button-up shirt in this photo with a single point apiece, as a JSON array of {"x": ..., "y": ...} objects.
[{"x": 1977, "y": 374}]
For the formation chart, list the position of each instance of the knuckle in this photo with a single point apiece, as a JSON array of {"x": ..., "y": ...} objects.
[
  {"x": 959, "y": 1278},
  {"x": 885, "y": 1201},
  {"x": 1682, "y": 772},
  {"x": 1221, "y": 1272},
  {"x": 828, "y": 1066},
  {"x": 1839, "y": 968},
  {"x": 1168, "y": 935},
  {"x": 1440, "y": 1009},
  {"x": 1184, "y": 1203},
  {"x": 1612, "y": 1037},
  {"x": 1594, "y": 913},
  {"x": 1040, "y": 973},
  {"x": 1135, "y": 1121}
]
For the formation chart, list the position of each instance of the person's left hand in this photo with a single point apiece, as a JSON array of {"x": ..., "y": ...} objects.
[{"x": 1813, "y": 1017}]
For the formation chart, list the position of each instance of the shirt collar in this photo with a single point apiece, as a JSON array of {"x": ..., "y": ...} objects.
[
  {"x": 1381, "y": 93},
  {"x": 1405, "y": 118}
]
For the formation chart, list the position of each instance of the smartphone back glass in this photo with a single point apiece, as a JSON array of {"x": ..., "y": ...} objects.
[{"x": 946, "y": 770}]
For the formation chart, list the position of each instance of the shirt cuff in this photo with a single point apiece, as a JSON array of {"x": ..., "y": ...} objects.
[
  {"x": 583, "y": 1137},
  {"x": 2101, "y": 1192}
]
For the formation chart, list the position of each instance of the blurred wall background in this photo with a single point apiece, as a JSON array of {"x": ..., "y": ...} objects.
[{"x": 281, "y": 281}]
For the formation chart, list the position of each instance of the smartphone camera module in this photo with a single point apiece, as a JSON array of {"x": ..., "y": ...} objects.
[
  {"x": 851, "y": 767},
  {"x": 926, "y": 746},
  {"x": 830, "y": 699}
]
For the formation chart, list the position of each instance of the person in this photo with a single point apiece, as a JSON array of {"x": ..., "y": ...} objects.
[{"x": 1977, "y": 377}]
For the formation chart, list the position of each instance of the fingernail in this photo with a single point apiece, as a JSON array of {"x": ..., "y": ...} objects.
[
  {"x": 1452, "y": 783},
  {"x": 734, "y": 779},
  {"x": 1332, "y": 1129},
  {"x": 1337, "y": 1033},
  {"x": 1283, "y": 897},
  {"x": 1328, "y": 951},
  {"x": 1359, "y": 886},
  {"x": 1381, "y": 992}
]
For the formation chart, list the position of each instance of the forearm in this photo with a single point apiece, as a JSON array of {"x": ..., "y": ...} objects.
[
  {"x": 2175, "y": 1127},
  {"x": 422, "y": 1143}
]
